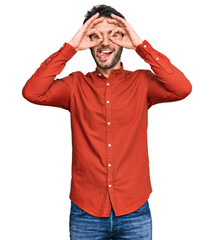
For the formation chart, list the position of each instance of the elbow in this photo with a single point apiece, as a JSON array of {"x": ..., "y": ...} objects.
[
  {"x": 32, "y": 97},
  {"x": 186, "y": 91},
  {"x": 188, "y": 87},
  {"x": 26, "y": 94},
  {"x": 185, "y": 86}
]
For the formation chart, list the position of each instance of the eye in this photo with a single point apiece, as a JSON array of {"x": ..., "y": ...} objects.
[
  {"x": 93, "y": 36},
  {"x": 117, "y": 34}
]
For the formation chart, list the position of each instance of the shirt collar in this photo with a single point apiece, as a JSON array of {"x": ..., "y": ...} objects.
[{"x": 114, "y": 71}]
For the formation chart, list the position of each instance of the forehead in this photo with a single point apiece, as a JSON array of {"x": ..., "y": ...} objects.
[{"x": 104, "y": 26}]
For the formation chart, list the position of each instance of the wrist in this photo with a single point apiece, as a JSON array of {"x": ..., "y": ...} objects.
[
  {"x": 73, "y": 45},
  {"x": 138, "y": 43}
]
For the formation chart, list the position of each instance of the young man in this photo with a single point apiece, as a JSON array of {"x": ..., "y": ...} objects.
[{"x": 110, "y": 183}]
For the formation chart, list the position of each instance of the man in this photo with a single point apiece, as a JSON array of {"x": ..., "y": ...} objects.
[{"x": 110, "y": 183}]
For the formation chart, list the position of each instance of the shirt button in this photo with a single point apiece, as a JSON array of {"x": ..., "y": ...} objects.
[
  {"x": 107, "y": 101},
  {"x": 157, "y": 58},
  {"x": 99, "y": 74},
  {"x": 109, "y": 144},
  {"x": 107, "y": 84},
  {"x": 109, "y": 165},
  {"x": 109, "y": 185},
  {"x": 144, "y": 46},
  {"x": 109, "y": 123}
]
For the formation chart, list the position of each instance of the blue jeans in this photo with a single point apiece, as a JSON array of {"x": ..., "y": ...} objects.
[{"x": 133, "y": 226}]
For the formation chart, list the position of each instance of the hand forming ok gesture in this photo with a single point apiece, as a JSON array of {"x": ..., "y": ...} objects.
[
  {"x": 130, "y": 39},
  {"x": 81, "y": 39}
]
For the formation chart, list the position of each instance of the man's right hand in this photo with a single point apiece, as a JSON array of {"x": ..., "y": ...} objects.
[{"x": 81, "y": 39}]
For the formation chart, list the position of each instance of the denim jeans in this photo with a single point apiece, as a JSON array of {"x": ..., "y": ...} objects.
[{"x": 133, "y": 226}]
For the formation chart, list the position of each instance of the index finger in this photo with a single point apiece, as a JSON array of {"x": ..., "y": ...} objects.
[
  {"x": 95, "y": 21},
  {"x": 94, "y": 31},
  {"x": 91, "y": 19},
  {"x": 117, "y": 30},
  {"x": 121, "y": 20}
]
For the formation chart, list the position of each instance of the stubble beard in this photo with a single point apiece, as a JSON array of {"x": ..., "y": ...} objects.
[{"x": 114, "y": 61}]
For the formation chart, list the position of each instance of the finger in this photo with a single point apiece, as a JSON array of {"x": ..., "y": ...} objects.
[
  {"x": 90, "y": 20},
  {"x": 121, "y": 20},
  {"x": 94, "y": 44},
  {"x": 110, "y": 20},
  {"x": 116, "y": 30},
  {"x": 95, "y": 21},
  {"x": 94, "y": 31},
  {"x": 116, "y": 41}
]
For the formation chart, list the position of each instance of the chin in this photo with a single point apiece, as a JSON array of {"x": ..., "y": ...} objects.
[
  {"x": 105, "y": 65},
  {"x": 109, "y": 63}
]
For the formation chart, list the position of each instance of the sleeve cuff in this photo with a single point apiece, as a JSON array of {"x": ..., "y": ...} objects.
[
  {"x": 67, "y": 50},
  {"x": 144, "y": 48},
  {"x": 151, "y": 56}
]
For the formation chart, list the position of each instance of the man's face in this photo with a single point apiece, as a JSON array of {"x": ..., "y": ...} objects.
[{"x": 106, "y": 54}]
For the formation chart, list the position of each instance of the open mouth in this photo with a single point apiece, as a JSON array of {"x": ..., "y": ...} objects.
[{"x": 104, "y": 54}]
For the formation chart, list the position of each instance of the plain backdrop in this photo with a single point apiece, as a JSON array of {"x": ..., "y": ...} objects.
[{"x": 35, "y": 150}]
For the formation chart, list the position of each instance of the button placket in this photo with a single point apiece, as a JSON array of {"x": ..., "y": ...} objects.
[{"x": 109, "y": 134}]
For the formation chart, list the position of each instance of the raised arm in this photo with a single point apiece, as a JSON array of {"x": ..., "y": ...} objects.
[
  {"x": 42, "y": 88},
  {"x": 167, "y": 83}
]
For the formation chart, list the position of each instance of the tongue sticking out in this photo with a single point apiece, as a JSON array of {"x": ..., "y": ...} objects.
[{"x": 100, "y": 54}]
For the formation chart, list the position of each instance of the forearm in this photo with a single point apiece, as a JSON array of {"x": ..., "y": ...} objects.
[
  {"x": 170, "y": 77},
  {"x": 40, "y": 82}
]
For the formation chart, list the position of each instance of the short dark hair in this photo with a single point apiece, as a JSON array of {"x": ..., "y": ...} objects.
[{"x": 103, "y": 10}]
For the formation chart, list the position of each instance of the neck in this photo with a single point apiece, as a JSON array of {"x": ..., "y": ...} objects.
[{"x": 107, "y": 72}]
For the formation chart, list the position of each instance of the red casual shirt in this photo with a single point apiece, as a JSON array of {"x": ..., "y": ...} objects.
[{"x": 110, "y": 163}]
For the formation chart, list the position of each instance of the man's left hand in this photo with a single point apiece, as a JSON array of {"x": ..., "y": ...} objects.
[{"x": 130, "y": 39}]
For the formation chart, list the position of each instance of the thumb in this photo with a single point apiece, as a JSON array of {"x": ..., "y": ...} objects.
[
  {"x": 116, "y": 41},
  {"x": 94, "y": 44}
]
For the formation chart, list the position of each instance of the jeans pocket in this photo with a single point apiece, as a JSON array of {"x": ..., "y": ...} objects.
[
  {"x": 144, "y": 208},
  {"x": 76, "y": 210}
]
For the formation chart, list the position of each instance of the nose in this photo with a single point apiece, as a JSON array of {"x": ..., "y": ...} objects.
[{"x": 106, "y": 41}]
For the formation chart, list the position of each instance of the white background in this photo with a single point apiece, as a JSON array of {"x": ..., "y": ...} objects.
[{"x": 35, "y": 166}]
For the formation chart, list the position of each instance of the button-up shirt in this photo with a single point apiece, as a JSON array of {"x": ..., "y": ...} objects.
[{"x": 110, "y": 164}]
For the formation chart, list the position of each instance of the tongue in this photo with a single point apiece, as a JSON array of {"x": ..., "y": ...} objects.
[{"x": 102, "y": 54}]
